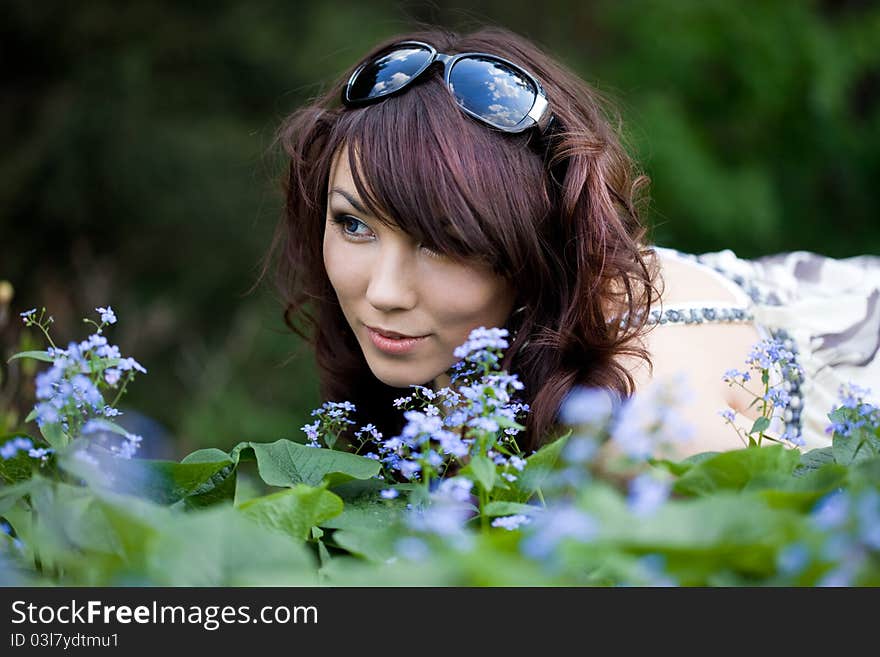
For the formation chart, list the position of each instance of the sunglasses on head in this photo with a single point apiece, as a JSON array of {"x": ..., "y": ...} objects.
[{"x": 489, "y": 88}]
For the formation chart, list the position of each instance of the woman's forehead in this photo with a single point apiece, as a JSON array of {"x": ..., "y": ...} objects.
[
  {"x": 342, "y": 179},
  {"x": 341, "y": 183}
]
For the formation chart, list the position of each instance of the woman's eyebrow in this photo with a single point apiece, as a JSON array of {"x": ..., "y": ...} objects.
[{"x": 351, "y": 199}]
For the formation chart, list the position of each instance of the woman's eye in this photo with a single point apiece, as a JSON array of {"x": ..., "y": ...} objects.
[
  {"x": 348, "y": 225},
  {"x": 431, "y": 252}
]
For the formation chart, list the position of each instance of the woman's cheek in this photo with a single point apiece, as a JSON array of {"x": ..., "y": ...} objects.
[{"x": 342, "y": 265}]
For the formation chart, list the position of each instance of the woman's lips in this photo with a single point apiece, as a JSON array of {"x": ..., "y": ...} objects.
[{"x": 394, "y": 345}]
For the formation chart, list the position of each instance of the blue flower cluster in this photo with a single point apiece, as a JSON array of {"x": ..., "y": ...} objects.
[
  {"x": 480, "y": 354},
  {"x": 639, "y": 427},
  {"x": 430, "y": 439},
  {"x": 11, "y": 448},
  {"x": 447, "y": 424},
  {"x": 853, "y": 411},
  {"x": 781, "y": 404},
  {"x": 69, "y": 392},
  {"x": 332, "y": 418}
]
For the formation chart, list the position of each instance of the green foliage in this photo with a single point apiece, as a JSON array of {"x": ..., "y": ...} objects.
[
  {"x": 538, "y": 468},
  {"x": 294, "y": 511},
  {"x": 286, "y": 463},
  {"x": 732, "y": 515},
  {"x": 734, "y": 470}
]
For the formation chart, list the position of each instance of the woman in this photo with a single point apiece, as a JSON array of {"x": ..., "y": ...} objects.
[{"x": 443, "y": 193}]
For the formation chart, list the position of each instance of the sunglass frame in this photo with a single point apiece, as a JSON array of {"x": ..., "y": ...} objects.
[{"x": 536, "y": 116}]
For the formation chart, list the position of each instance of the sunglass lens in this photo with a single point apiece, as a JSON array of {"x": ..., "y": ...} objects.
[
  {"x": 388, "y": 73},
  {"x": 492, "y": 90}
]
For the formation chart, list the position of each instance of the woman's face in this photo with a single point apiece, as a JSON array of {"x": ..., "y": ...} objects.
[{"x": 384, "y": 279}]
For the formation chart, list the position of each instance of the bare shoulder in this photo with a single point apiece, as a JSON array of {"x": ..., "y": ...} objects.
[{"x": 703, "y": 352}]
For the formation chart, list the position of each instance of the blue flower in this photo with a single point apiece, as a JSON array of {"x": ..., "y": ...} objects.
[
  {"x": 832, "y": 511},
  {"x": 856, "y": 411},
  {"x": 408, "y": 468},
  {"x": 653, "y": 569},
  {"x": 580, "y": 449},
  {"x": 792, "y": 559},
  {"x": 11, "y": 448},
  {"x": 129, "y": 363},
  {"x": 412, "y": 548},
  {"x": 479, "y": 340},
  {"x": 852, "y": 395},
  {"x": 732, "y": 374},
  {"x": 111, "y": 376},
  {"x": 39, "y": 453},
  {"x": 485, "y": 424},
  {"x": 584, "y": 405},
  {"x": 769, "y": 352},
  {"x": 777, "y": 395},
  {"x": 389, "y": 494},
  {"x": 650, "y": 421},
  {"x": 511, "y": 522},
  {"x": 457, "y": 489},
  {"x": 867, "y": 509},
  {"x": 107, "y": 315},
  {"x": 554, "y": 525},
  {"x": 647, "y": 493}
]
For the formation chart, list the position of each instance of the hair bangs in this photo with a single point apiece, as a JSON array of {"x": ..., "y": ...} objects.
[{"x": 447, "y": 180}]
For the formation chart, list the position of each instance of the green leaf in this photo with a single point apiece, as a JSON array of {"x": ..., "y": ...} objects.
[
  {"x": 286, "y": 463},
  {"x": 760, "y": 424},
  {"x": 367, "y": 514},
  {"x": 66, "y": 517},
  {"x": 813, "y": 460},
  {"x": 799, "y": 492},
  {"x": 678, "y": 468},
  {"x": 36, "y": 355},
  {"x": 374, "y": 545},
  {"x": 482, "y": 470},
  {"x": 734, "y": 469},
  {"x": 221, "y": 546},
  {"x": 99, "y": 538},
  {"x": 864, "y": 473},
  {"x": 860, "y": 445},
  {"x": 699, "y": 538},
  {"x": 9, "y": 495},
  {"x": 209, "y": 455},
  {"x": 538, "y": 467},
  {"x": 294, "y": 511},
  {"x": 31, "y": 416},
  {"x": 163, "y": 482},
  {"x": 493, "y": 509},
  {"x": 53, "y": 435}
]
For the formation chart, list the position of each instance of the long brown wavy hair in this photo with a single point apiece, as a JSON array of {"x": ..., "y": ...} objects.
[{"x": 561, "y": 222}]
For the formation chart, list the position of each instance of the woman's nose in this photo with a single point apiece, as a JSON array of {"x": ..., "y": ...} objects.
[{"x": 392, "y": 284}]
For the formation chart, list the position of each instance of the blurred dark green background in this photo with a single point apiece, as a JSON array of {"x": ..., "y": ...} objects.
[{"x": 135, "y": 169}]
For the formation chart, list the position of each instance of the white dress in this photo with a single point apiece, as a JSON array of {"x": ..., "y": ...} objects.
[{"x": 826, "y": 310}]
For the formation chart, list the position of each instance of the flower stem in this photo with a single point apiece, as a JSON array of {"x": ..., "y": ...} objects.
[{"x": 122, "y": 389}]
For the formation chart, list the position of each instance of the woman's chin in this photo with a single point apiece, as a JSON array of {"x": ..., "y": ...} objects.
[{"x": 402, "y": 380}]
